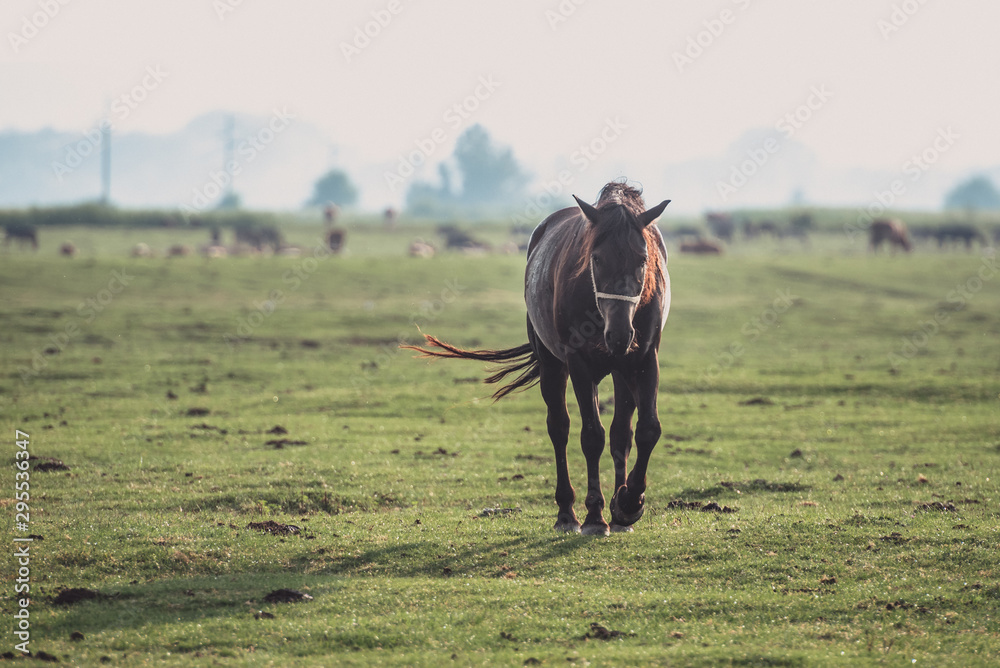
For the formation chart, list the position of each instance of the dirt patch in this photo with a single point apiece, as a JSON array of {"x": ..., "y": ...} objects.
[
  {"x": 947, "y": 506},
  {"x": 760, "y": 484},
  {"x": 894, "y": 537},
  {"x": 275, "y": 528},
  {"x": 208, "y": 427},
  {"x": 197, "y": 412},
  {"x": 76, "y": 595},
  {"x": 713, "y": 507},
  {"x": 50, "y": 464},
  {"x": 598, "y": 632},
  {"x": 279, "y": 443},
  {"x": 277, "y": 430},
  {"x": 286, "y": 596},
  {"x": 440, "y": 452},
  {"x": 710, "y": 507},
  {"x": 757, "y": 401},
  {"x": 493, "y": 512}
]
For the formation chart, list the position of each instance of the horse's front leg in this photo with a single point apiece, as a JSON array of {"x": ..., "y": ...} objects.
[
  {"x": 629, "y": 500},
  {"x": 621, "y": 438},
  {"x": 592, "y": 442}
]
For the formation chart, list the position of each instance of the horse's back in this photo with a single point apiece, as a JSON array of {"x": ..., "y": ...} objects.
[{"x": 553, "y": 236}]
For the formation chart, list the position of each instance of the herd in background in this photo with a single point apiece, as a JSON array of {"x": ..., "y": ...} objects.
[
  {"x": 727, "y": 229},
  {"x": 724, "y": 230}
]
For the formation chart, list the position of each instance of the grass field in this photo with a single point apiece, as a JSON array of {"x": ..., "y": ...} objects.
[{"x": 845, "y": 408}]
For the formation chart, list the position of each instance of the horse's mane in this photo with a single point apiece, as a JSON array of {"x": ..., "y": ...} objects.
[{"x": 620, "y": 206}]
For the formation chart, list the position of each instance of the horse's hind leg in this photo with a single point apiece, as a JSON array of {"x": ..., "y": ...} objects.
[{"x": 552, "y": 380}]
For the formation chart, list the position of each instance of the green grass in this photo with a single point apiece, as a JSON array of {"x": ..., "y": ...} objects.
[{"x": 837, "y": 553}]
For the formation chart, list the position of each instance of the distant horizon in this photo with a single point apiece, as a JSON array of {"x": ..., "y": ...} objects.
[{"x": 849, "y": 94}]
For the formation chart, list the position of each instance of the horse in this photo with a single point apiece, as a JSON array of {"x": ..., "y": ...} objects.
[
  {"x": 597, "y": 294},
  {"x": 958, "y": 232},
  {"x": 890, "y": 230},
  {"x": 721, "y": 225},
  {"x": 336, "y": 237},
  {"x": 701, "y": 247},
  {"x": 24, "y": 234}
]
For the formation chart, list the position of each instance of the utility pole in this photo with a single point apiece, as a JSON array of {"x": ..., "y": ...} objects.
[
  {"x": 106, "y": 160},
  {"x": 229, "y": 157}
]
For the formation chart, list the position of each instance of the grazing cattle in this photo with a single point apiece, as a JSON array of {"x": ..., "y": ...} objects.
[
  {"x": 331, "y": 213},
  {"x": 68, "y": 249},
  {"x": 214, "y": 251},
  {"x": 24, "y": 235},
  {"x": 389, "y": 218},
  {"x": 335, "y": 239},
  {"x": 891, "y": 231},
  {"x": 597, "y": 294},
  {"x": 701, "y": 247},
  {"x": 179, "y": 250},
  {"x": 721, "y": 225},
  {"x": 752, "y": 230},
  {"x": 141, "y": 250},
  {"x": 420, "y": 248},
  {"x": 958, "y": 232},
  {"x": 262, "y": 238},
  {"x": 461, "y": 240},
  {"x": 509, "y": 248}
]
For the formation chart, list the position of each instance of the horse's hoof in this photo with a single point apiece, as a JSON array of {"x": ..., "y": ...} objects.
[
  {"x": 568, "y": 527},
  {"x": 618, "y": 528},
  {"x": 618, "y": 504},
  {"x": 595, "y": 530}
]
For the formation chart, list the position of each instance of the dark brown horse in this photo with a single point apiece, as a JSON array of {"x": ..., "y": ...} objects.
[
  {"x": 24, "y": 234},
  {"x": 597, "y": 292}
]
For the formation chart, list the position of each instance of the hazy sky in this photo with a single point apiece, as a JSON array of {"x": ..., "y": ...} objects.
[{"x": 883, "y": 77}]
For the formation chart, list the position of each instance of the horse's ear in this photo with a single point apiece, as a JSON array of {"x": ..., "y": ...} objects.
[
  {"x": 649, "y": 216},
  {"x": 589, "y": 212}
]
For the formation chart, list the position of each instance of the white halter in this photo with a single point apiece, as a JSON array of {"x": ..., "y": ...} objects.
[{"x": 605, "y": 295}]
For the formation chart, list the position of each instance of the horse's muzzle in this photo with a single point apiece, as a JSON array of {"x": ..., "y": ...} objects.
[{"x": 619, "y": 342}]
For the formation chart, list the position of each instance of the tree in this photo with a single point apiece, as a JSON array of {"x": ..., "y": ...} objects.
[
  {"x": 490, "y": 174},
  {"x": 478, "y": 177},
  {"x": 336, "y": 187},
  {"x": 973, "y": 194}
]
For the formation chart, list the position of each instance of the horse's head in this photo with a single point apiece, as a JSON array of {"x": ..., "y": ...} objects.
[{"x": 619, "y": 266}]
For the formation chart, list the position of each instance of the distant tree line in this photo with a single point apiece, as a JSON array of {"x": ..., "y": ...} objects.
[{"x": 99, "y": 215}]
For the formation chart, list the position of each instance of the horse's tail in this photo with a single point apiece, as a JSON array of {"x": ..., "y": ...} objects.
[{"x": 520, "y": 359}]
